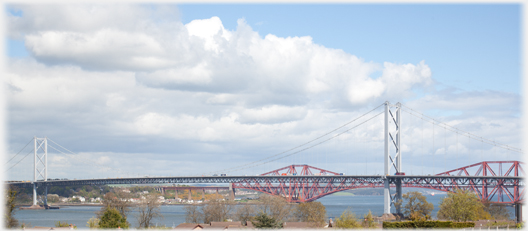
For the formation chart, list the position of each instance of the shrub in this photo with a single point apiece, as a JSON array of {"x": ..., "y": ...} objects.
[{"x": 427, "y": 224}]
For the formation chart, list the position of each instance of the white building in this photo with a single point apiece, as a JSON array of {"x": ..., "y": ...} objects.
[{"x": 82, "y": 199}]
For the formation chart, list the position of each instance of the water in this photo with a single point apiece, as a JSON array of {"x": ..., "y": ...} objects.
[
  {"x": 360, "y": 205},
  {"x": 175, "y": 214}
]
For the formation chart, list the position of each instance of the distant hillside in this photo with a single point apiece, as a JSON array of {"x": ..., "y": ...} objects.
[{"x": 379, "y": 191}]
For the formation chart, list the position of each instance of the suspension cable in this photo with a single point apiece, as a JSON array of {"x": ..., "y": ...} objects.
[
  {"x": 19, "y": 160},
  {"x": 462, "y": 132},
  {"x": 240, "y": 167},
  {"x": 19, "y": 151},
  {"x": 304, "y": 149},
  {"x": 87, "y": 161}
]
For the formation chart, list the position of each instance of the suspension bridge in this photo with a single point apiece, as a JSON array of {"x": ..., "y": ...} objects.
[{"x": 494, "y": 181}]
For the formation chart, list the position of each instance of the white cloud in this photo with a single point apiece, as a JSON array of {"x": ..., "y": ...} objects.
[
  {"x": 272, "y": 114},
  {"x": 141, "y": 82}
]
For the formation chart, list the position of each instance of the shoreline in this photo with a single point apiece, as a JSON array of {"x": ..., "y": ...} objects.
[{"x": 100, "y": 205}]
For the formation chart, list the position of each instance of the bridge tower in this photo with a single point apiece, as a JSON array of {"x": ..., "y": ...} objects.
[
  {"x": 40, "y": 166},
  {"x": 394, "y": 136}
]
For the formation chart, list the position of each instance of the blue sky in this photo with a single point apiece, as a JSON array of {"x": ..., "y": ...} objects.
[
  {"x": 463, "y": 43},
  {"x": 93, "y": 76}
]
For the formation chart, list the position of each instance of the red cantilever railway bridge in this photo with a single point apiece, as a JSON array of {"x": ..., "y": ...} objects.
[{"x": 492, "y": 184}]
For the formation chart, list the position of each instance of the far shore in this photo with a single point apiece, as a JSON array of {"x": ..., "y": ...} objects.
[{"x": 100, "y": 204}]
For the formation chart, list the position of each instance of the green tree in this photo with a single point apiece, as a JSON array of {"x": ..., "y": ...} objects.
[
  {"x": 347, "y": 220},
  {"x": 368, "y": 220},
  {"x": 119, "y": 199},
  {"x": 112, "y": 219},
  {"x": 417, "y": 207},
  {"x": 62, "y": 224},
  {"x": 9, "y": 220},
  {"x": 462, "y": 205},
  {"x": 262, "y": 220},
  {"x": 313, "y": 212}
]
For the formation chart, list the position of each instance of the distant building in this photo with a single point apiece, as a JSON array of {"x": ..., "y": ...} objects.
[{"x": 82, "y": 199}]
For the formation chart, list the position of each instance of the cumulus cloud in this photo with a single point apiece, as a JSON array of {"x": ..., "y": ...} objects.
[
  {"x": 114, "y": 81},
  {"x": 203, "y": 56}
]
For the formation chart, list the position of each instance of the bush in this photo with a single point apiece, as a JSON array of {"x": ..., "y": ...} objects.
[
  {"x": 462, "y": 205},
  {"x": 347, "y": 220},
  {"x": 427, "y": 224},
  {"x": 112, "y": 219},
  {"x": 262, "y": 220},
  {"x": 458, "y": 225}
]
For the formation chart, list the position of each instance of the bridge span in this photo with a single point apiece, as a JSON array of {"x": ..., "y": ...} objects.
[
  {"x": 316, "y": 186},
  {"x": 489, "y": 183}
]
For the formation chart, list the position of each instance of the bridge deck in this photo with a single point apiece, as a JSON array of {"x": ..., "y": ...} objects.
[{"x": 407, "y": 179}]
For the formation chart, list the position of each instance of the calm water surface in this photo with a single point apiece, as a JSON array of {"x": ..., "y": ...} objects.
[{"x": 174, "y": 214}]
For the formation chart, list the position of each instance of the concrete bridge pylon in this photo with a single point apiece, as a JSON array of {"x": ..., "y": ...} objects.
[{"x": 389, "y": 161}]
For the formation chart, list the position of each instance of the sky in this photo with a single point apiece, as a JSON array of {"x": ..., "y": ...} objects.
[{"x": 125, "y": 90}]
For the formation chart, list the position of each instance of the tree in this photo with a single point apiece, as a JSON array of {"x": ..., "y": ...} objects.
[
  {"x": 119, "y": 200},
  {"x": 53, "y": 198},
  {"x": 112, "y": 218},
  {"x": 276, "y": 207},
  {"x": 369, "y": 220},
  {"x": 313, "y": 212},
  {"x": 148, "y": 209},
  {"x": 462, "y": 205},
  {"x": 347, "y": 220},
  {"x": 93, "y": 223},
  {"x": 9, "y": 220},
  {"x": 417, "y": 206},
  {"x": 262, "y": 220},
  {"x": 217, "y": 210},
  {"x": 193, "y": 214},
  {"x": 497, "y": 211},
  {"x": 245, "y": 213}
]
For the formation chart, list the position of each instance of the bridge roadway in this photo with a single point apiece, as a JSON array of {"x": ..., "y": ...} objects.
[{"x": 360, "y": 180}]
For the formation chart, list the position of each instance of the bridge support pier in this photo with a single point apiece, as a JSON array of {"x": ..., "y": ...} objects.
[
  {"x": 175, "y": 194},
  {"x": 203, "y": 194},
  {"x": 398, "y": 196},
  {"x": 231, "y": 192},
  {"x": 386, "y": 197},
  {"x": 190, "y": 195},
  {"x": 34, "y": 194},
  {"x": 388, "y": 160},
  {"x": 518, "y": 212},
  {"x": 46, "y": 195}
]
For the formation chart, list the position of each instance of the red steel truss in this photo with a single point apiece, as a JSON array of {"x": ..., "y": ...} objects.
[
  {"x": 489, "y": 192},
  {"x": 487, "y": 179}
]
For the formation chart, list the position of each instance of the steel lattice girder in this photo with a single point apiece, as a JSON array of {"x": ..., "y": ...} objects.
[
  {"x": 445, "y": 180},
  {"x": 312, "y": 187}
]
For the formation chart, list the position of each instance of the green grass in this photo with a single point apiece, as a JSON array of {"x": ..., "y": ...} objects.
[{"x": 343, "y": 194}]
